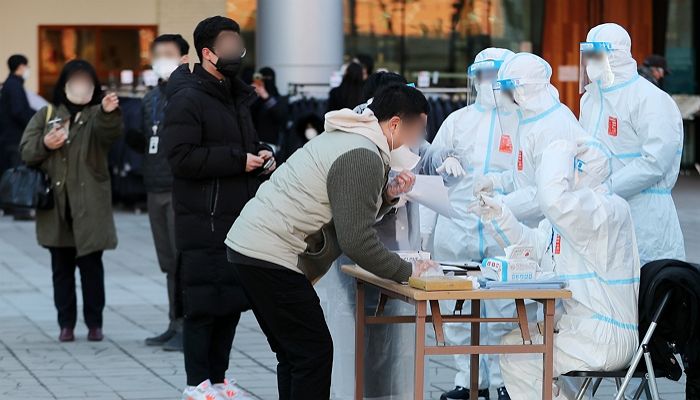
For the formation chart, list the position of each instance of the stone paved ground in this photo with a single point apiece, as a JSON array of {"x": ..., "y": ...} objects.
[{"x": 33, "y": 365}]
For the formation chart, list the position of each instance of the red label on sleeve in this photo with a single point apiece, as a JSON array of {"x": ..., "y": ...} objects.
[
  {"x": 520, "y": 160},
  {"x": 612, "y": 126},
  {"x": 557, "y": 245},
  {"x": 506, "y": 145}
]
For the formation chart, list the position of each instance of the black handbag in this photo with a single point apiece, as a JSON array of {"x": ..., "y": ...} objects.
[{"x": 25, "y": 187}]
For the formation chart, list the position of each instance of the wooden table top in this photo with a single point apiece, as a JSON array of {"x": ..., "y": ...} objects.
[{"x": 477, "y": 294}]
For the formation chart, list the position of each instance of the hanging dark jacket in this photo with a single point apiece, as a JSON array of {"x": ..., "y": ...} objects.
[
  {"x": 207, "y": 133},
  {"x": 675, "y": 324},
  {"x": 270, "y": 118}
]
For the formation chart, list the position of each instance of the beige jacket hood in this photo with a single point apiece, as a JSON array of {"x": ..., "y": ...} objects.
[{"x": 365, "y": 124}]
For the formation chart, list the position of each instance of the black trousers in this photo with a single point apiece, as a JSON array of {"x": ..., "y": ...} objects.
[
  {"x": 207, "y": 342},
  {"x": 92, "y": 280},
  {"x": 289, "y": 313}
]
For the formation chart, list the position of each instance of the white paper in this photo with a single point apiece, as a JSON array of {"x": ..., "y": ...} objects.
[{"x": 430, "y": 191}]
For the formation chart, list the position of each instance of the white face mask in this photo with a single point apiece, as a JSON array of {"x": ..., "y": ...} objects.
[
  {"x": 79, "y": 93},
  {"x": 163, "y": 67},
  {"x": 486, "y": 95},
  {"x": 26, "y": 74},
  {"x": 599, "y": 71},
  {"x": 310, "y": 133},
  {"x": 403, "y": 159},
  {"x": 506, "y": 103}
]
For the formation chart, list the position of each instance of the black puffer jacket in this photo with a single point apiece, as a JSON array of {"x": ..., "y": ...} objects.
[
  {"x": 207, "y": 133},
  {"x": 678, "y": 323}
]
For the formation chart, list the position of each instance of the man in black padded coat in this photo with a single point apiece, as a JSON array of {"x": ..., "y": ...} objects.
[{"x": 217, "y": 163}]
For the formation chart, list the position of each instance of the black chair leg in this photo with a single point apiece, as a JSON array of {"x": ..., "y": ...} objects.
[
  {"x": 643, "y": 386},
  {"x": 647, "y": 392},
  {"x": 596, "y": 385}
]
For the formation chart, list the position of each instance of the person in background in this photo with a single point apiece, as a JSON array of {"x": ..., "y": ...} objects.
[
  {"x": 349, "y": 93},
  {"x": 168, "y": 51},
  {"x": 69, "y": 140},
  {"x": 367, "y": 63},
  {"x": 15, "y": 113},
  {"x": 304, "y": 129},
  {"x": 642, "y": 127},
  {"x": 654, "y": 69},
  {"x": 217, "y": 163},
  {"x": 281, "y": 249},
  {"x": 270, "y": 109}
]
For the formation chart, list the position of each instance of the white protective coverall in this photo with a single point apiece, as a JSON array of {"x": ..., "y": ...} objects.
[
  {"x": 473, "y": 136},
  {"x": 643, "y": 129},
  {"x": 586, "y": 238},
  {"x": 542, "y": 120}
]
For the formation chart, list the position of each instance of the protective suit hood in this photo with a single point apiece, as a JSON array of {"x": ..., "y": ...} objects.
[
  {"x": 534, "y": 94},
  {"x": 623, "y": 66},
  {"x": 491, "y": 53}
]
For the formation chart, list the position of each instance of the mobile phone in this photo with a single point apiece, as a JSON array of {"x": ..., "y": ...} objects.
[
  {"x": 56, "y": 122},
  {"x": 268, "y": 164}
]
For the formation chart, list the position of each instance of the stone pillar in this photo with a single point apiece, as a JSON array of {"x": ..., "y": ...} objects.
[{"x": 302, "y": 40}]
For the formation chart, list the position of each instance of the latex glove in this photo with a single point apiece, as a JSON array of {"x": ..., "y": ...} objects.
[
  {"x": 452, "y": 167},
  {"x": 426, "y": 268},
  {"x": 483, "y": 185},
  {"x": 403, "y": 183},
  {"x": 486, "y": 207}
]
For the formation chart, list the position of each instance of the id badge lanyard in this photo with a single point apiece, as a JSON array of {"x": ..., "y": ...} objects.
[{"x": 155, "y": 119}]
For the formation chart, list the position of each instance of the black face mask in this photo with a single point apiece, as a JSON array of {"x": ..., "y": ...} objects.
[{"x": 228, "y": 67}]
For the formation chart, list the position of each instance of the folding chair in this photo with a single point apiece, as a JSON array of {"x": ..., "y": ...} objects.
[{"x": 623, "y": 377}]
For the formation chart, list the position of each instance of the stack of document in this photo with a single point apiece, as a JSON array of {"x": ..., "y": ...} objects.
[{"x": 533, "y": 284}]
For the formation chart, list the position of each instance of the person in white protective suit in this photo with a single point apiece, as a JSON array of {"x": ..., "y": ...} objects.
[
  {"x": 523, "y": 86},
  {"x": 471, "y": 143},
  {"x": 643, "y": 129},
  {"x": 586, "y": 238}
]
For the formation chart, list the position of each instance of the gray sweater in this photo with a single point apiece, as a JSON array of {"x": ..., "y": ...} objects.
[{"x": 322, "y": 202}]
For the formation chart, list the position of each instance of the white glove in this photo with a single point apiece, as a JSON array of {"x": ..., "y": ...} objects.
[
  {"x": 483, "y": 185},
  {"x": 426, "y": 268},
  {"x": 451, "y": 166},
  {"x": 486, "y": 207}
]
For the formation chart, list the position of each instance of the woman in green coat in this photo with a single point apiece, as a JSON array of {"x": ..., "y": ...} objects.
[{"x": 69, "y": 140}]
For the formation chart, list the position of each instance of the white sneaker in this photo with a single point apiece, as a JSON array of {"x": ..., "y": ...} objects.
[
  {"x": 230, "y": 391},
  {"x": 203, "y": 391}
]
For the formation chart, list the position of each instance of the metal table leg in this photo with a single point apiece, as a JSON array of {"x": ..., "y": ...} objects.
[{"x": 360, "y": 341}]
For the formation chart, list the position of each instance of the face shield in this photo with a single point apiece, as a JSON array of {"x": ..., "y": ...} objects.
[
  {"x": 594, "y": 64},
  {"x": 481, "y": 76}
]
